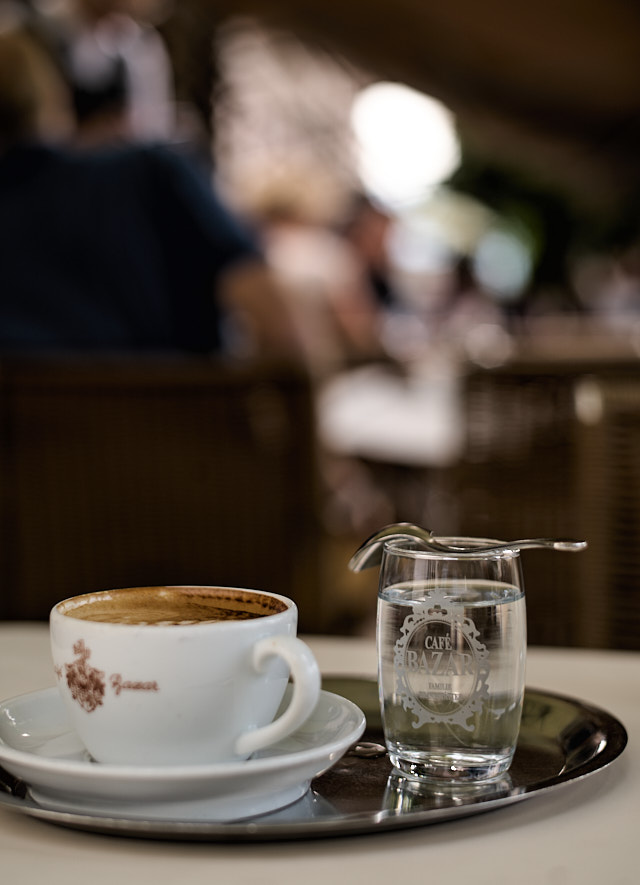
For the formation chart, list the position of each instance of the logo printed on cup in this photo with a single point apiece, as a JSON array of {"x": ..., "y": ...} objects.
[{"x": 87, "y": 684}]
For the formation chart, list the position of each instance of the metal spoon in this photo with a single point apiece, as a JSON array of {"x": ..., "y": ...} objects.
[{"x": 370, "y": 552}]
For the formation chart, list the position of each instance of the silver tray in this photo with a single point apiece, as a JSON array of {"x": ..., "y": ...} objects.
[{"x": 561, "y": 741}]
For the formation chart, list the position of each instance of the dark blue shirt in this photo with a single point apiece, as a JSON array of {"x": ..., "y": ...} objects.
[{"x": 119, "y": 250}]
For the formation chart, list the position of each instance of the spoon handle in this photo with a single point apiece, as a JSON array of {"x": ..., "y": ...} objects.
[
  {"x": 567, "y": 545},
  {"x": 370, "y": 552}
]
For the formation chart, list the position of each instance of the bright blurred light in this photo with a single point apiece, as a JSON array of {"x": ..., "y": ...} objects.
[
  {"x": 406, "y": 140},
  {"x": 503, "y": 264}
]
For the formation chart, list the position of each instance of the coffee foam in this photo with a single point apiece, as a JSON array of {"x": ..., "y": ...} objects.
[{"x": 171, "y": 606}]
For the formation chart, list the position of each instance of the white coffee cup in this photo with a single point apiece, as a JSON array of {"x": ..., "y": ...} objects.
[{"x": 181, "y": 675}]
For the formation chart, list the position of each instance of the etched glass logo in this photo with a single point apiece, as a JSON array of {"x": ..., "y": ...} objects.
[{"x": 441, "y": 666}]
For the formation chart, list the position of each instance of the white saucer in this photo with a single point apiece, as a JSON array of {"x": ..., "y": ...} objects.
[{"x": 38, "y": 745}]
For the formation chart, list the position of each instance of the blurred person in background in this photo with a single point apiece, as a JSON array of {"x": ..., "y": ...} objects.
[
  {"x": 122, "y": 249},
  {"x": 324, "y": 278},
  {"x": 367, "y": 227},
  {"x": 115, "y": 64},
  {"x": 467, "y": 305}
]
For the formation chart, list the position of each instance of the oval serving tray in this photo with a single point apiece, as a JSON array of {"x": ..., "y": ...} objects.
[{"x": 561, "y": 741}]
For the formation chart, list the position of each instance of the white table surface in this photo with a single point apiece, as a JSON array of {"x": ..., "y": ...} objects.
[{"x": 585, "y": 833}]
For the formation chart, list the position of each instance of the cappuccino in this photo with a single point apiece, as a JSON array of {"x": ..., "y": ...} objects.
[
  {"x": 181, "y": 675},
  {"x": 171, "y": 606}
]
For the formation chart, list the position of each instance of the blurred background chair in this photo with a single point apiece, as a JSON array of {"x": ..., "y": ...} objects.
[
  {"x": 552, "y": 449},
  {"x": 134, "y": 471},
  {"x": 608, "y": 597}
]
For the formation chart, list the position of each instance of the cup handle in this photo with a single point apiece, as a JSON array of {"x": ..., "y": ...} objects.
[{"x": 306, "y": 691}]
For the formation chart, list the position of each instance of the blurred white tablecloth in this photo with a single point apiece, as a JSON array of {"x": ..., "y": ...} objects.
[{"x": 373, "y": 413}]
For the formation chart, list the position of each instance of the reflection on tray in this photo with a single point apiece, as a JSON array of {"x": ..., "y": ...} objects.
[
  {"x": 561, "y": 740},
  {"x": 405, "y": 795}
]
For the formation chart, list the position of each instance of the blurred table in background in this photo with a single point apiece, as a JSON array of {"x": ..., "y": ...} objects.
[{"x": 380, "y": 415}]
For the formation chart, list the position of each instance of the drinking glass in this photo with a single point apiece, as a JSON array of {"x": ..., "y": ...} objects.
[{"x": 451, "y": 635}]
